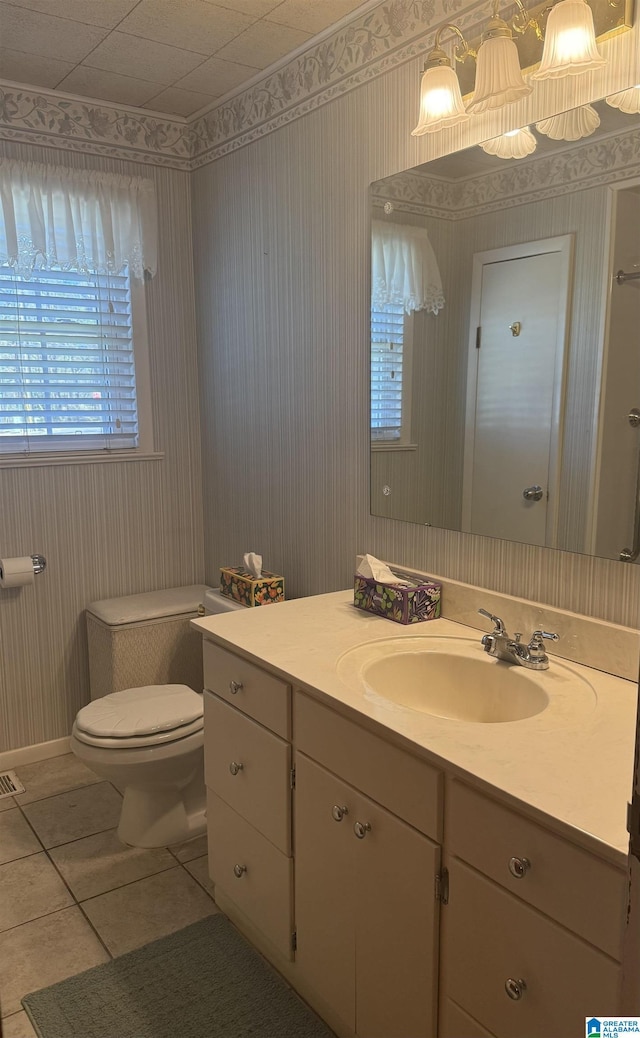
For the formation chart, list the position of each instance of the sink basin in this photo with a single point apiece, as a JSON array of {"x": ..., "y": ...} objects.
[
  {"x": 454, "y": 678},
  {"x": 453, "y": 686}
]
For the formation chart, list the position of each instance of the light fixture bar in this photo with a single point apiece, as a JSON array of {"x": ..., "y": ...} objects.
[{"x": 610, "y": 19}]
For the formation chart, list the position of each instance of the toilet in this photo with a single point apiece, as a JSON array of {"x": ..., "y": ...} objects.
[{"x": 148, "y": 740}]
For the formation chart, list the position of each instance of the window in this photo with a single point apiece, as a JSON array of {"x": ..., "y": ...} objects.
[
  {"x": 74, "y": 249},
  {"x": 67, "y": 368},
  {"x": 390, "y": 375}
]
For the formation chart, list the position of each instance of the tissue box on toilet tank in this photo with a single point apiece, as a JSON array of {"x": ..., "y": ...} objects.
[
  {"x": 405, "y": 605},
  {"x": 243, "y": 587}
]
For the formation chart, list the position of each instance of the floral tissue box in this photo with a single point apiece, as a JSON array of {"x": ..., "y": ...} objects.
[
  {"x": 405, "y": 605},
  {"x": 243, "y": 587}
]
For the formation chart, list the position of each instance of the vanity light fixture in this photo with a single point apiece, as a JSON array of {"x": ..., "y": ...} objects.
[
  {"x": 569, "y": 30},
  {"x": 628, "y": 101},
  {"x": 498, "y": 75},
  {"x": 569, "y": 42},
  {"x": 440, "y": 98},
  {"x": 572, "y": 125},
  {"x": 515, "y": 144}
]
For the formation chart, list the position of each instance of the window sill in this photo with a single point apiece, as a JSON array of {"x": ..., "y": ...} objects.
[
  {"x": 382, "y": 445},
  {"x": 27, "y": 461}
]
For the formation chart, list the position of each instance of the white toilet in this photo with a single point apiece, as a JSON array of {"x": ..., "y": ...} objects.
[{"x": 147, "y": 740}]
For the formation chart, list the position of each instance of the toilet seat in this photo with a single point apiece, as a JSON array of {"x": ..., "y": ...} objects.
[{"x": 137, "y": 717}]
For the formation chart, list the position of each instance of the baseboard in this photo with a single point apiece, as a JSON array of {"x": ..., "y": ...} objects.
[{"x": 31, "y": 754}]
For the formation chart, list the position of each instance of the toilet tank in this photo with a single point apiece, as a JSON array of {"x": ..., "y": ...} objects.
[{"x": 145, "y": 640}]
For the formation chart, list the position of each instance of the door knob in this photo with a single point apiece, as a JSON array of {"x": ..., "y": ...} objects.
[{"x": 533, "y": 493}]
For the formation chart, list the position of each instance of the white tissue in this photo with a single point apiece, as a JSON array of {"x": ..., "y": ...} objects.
[
  {"x": 375, "y": 570},
  {"x": 253, "y": 564}
]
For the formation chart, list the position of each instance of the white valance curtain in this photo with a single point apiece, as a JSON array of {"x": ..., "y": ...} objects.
[
  {"x": 54, "y": 218},
  {"x": 404, "y": 269}
]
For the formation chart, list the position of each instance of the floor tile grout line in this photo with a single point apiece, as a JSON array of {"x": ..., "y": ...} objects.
[{"x": 61, "y": 792}]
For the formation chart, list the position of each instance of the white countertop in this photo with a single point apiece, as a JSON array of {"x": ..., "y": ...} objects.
[{"x": 573, "y": 764}]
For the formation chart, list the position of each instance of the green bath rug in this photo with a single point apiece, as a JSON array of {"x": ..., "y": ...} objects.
[{"x": 204, "y": 981}]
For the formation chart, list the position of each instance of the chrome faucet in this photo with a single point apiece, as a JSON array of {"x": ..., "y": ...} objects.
[{"x": 512, "y": 650}]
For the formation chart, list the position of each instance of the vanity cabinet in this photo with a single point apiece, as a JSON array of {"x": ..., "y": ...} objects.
[
  {"x": 365, "y": 886},
  {"x": 531, "y": 934},
  {"x": 248, "y": 774}
]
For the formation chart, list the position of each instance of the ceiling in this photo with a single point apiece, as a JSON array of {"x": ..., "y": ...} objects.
[{"x": 171, "y": 56}]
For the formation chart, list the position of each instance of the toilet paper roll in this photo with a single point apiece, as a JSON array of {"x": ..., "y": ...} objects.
[{"x": 16, "y": 572}]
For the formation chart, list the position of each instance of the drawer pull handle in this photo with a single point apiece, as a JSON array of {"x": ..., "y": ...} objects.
[
  {"x": 518, "y": 867},
  {"x": 234, "y": 687},
  {"x": 515, "y": 988},
  {"x": 338, "y": 813},
  {"x": 234, "y": 767},
  {"x": 361, "y": 829},
  {"x": 239, "y": 870}
]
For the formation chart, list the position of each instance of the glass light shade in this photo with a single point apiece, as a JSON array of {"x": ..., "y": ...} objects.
[
  {"x": 498, "y": 76},
  {"x": 440, "y": 100},
  {"x": 571, "y": 126},
  {"x": 513, "y": 145},
  {"x": 628, "y": 101},
  {"x": 569, "y": 43}
]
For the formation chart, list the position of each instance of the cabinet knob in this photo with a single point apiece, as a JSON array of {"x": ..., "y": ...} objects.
[
  {"x": 338, "y": 813},
  {"x": 515, "y": 988},
  {"x": 361, "y": 829},
  {"x": 518, "y": 867},
  {"x": 234, "y": 767},
  {"x": 239, "y": 870},
  {"x": 234, "y": 687}
]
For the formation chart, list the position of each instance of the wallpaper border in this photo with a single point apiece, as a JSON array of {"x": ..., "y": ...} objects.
[{"x": 370, "y": 46}]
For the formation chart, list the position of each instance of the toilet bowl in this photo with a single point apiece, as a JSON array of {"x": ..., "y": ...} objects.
[{"x": 149, "y": 742}]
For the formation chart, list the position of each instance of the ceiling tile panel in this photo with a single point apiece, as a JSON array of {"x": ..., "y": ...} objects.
[
  {"x": 128, "y": 56},
  {"x": 108, "y": 86},
  {"x": 255, "y": 8},
  {"x": 178, "y": 102},
  {"x": 93, "y": 12},
  {"x": 32, "y": 68},
  {"x": 262, "y": 44},
  {"x": 310, "y": 15},
  {"x": 191, "y": 24},
  {"x": 216, "y": 77},
  {"x": 36, "y": 33}
]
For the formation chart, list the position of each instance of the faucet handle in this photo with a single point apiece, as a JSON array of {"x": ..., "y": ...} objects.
[
  {"x": 499, "y": 627},
  {"x": 536, "y": 647}
]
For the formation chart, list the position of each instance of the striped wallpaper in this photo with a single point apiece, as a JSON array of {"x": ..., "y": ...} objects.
[
  {"x": 110, "y": 528},
  {"x": 279, "y": 461}
]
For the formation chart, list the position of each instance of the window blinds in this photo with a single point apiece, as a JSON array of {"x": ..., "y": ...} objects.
[
  {"x": 387, "y": 340},
  {"x": 67, "y": 376}
]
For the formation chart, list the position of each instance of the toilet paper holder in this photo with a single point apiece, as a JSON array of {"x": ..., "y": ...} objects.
[{"x": 39, "y": 563}]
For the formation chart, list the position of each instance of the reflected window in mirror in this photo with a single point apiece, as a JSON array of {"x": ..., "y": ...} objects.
[{"x": 391, "y": 356}]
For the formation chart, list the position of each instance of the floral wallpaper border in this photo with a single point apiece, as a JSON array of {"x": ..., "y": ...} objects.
[
  {"x": 587, "y": 164},
  {"x": 387, "y": 36}
]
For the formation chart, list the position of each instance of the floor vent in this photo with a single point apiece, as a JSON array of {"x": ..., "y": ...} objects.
[{"x": 9, "y": 784}]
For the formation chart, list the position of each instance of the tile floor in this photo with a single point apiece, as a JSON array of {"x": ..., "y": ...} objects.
[{"x": 73, "y": 896}]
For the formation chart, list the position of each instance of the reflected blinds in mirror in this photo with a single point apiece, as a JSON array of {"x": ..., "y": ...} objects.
[{"x": 387, "y": 357}]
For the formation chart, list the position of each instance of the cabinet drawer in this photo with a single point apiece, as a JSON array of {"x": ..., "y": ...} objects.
[
  {"x": 407, "y": 785},
  {"x": 249, "y": 688},
  {"x": 263, "y": 888},
  {"x": 250, "y": 768},
  {"x": 455, "y": 1023},
  {"x": 489, "y": 936},
  {"x": 562, "y": 878}
]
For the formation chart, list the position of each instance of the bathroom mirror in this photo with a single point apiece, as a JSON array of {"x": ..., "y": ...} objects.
[{"x": 505, "y": 360}]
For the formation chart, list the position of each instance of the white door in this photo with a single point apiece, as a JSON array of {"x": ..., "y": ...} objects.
[
  {"x": 618, "y": 457},
  {"x": 514, "y": 390}
]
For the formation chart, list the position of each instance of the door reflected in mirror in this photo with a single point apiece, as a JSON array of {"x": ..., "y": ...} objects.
[{"x": 505, "y": 363}]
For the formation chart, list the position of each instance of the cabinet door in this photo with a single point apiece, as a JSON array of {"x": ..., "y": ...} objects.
[
  {"x": 396, "y": 926},
  {"x": 325, "y": 891}
]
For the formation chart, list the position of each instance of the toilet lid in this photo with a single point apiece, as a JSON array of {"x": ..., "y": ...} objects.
[{"x": 146, "y": 711}]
